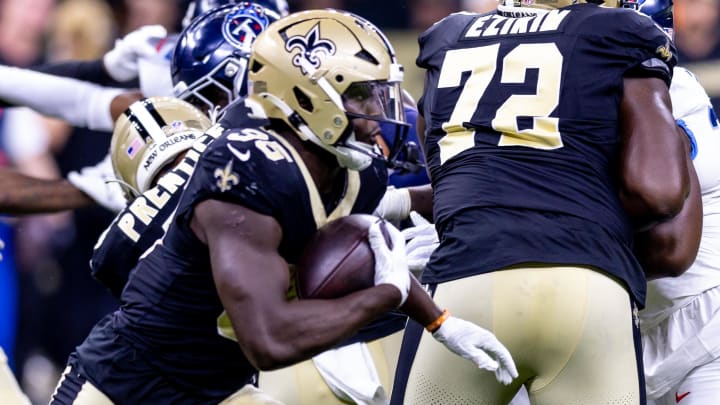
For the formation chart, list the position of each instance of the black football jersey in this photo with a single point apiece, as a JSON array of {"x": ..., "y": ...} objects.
[
  {"x": 171, "y": 315},
  {"x": 522, "y": 136}
]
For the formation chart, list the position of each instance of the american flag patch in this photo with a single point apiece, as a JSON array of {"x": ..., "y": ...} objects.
[
  {"x": 177, "y": 125},
  {"x": 134, "y": 147}
]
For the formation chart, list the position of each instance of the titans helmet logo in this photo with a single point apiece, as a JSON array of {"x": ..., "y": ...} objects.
[
  {"x": 312, "y": 48},
  {"x": 240, "y": 28}
]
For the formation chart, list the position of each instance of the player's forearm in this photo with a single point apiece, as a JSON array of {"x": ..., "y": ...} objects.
[
  {"x": 419, "y": 305},
  {"x": 421, "y": 198},
  {"x": 21, "y": 194},
  {"x": 670, "y": 247},
  {"x": 304, "y": 328}
]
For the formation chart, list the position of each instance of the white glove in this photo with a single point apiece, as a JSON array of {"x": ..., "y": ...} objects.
[
  {"x": 98, "y": 183},
  {"x": 390, "y": 263},
  {"x": 423, "y": 240},
  {"x": 2, "y": 246},
  {"x": 478, "y": 345},
  {"x": 395, "y": 204},
  {"x": 121, "y": 62}
]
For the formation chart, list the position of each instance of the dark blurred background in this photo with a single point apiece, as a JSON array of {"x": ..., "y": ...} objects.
[{"x": 48, "y": 300}]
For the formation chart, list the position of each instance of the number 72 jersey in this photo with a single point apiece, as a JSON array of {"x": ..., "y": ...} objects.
[{"x": 516, "y": 100}]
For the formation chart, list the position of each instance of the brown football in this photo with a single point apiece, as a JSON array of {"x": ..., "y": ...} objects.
[{"x": 338, "y": 259}]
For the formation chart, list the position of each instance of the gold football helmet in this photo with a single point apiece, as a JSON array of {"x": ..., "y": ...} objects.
[
  {"x": 319, "y": 70},
  {"x": 148, "y": 136}
]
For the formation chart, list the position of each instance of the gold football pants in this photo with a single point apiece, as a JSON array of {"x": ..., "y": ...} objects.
[{"x": 570, "y": 330}]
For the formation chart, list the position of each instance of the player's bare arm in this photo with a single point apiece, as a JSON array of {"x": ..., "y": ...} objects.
[
  {"x": 421, "y": 200},
  {"x": 654, "y": 179},
  {"x": 420, "y": 124},
  {"x": 22, "y": 194},
  {"x": 122, "y": 102},
  {"x": 252, "y": 280},
  {"x": 660, "y": 188},
  {"x": 670, "y": 247},
  {"x": 419, "y": 306}
]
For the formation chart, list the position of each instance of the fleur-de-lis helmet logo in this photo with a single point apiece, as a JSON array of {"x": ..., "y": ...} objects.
[{"x": 312, "y": 48}]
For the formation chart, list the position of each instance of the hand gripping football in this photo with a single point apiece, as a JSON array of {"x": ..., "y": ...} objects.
[{"x": 338, "y": 259}]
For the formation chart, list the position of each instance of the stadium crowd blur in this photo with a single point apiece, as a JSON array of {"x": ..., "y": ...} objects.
[{"x": 48, "y": 299}]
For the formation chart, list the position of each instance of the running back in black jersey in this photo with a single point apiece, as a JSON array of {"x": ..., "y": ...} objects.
[
  {"x": 521, "y": 110},
  {"x": 171, "y": 316}
]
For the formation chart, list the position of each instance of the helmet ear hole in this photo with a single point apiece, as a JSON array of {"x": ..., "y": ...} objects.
[
  {"x": 256, "y": 66},
  {"x": 303, "y": 100},
  {"x": 367, "y": 56}
]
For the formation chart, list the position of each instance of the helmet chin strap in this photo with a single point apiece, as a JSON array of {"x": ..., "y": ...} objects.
[
  {"x": 352, "y": 159},
  {"x": 133, "y": 191},
  {"x": 347, "y": 157},
  {"x": 213, "y": 114}
]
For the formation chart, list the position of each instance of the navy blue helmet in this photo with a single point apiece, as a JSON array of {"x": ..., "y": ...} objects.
[
  {"x": 196, "y": 8},
  {"x": 661, "y": 11},
  {"x": 209, "y": 64}
]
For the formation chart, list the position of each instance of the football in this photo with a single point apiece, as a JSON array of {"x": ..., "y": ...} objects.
[{"x": 338, "y": 259}]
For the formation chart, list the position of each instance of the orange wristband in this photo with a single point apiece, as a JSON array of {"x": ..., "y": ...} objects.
[{"x": 435, "y": 325}]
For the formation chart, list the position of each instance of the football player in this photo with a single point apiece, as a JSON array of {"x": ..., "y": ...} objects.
[
  {"x": 205, "y": 72},
  {"x": 680, "y": 325},
  {"x": 208, "y": 84},
  {"x": 148, "y": 139},
  {"x": 324, "y": 79},
  {"x": 151, "y": 139},
  {"x": 137, "y": 227},
  {"x": 132, "y": 235},
  {"x": 526, "y": 164}
]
